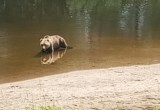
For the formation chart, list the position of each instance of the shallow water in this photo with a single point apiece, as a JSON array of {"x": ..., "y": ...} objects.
[{"x": 102, "y": 33}]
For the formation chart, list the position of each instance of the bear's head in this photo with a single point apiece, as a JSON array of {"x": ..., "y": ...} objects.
[{"x": 45, "y": 43}]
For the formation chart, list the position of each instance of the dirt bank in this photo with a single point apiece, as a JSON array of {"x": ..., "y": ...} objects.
[{"x": 134, "y": 87}]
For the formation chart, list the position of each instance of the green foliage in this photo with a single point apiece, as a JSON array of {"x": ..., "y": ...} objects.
[
  {"x": 53, "y": 107},
  {"x": 155, "y": 108}
]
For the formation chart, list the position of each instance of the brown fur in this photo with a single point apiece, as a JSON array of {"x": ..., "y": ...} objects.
[{"x": 53, "y": 42}]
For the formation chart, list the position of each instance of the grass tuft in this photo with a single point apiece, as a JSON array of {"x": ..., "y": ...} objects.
[{"x": 53, "y": 107}]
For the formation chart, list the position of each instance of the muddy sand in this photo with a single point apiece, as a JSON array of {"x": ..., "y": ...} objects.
[{"x": 133, "y": 87}]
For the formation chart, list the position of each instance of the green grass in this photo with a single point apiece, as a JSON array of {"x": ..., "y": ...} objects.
[
  {"x": 155, "y": 108},
  {"x": 53, "y": 107}
]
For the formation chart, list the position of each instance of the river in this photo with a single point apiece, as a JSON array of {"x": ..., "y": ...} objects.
[{"x": 103, "y": 34}]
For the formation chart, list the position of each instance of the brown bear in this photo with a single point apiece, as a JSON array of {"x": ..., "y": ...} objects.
[{"x": 52, "y": 42}]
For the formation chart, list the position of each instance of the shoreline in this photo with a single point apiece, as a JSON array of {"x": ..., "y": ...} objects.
[{"x": 130, "y": 87}]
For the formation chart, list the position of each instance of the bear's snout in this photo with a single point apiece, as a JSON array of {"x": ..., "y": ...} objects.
[{"x": 44, "y": 47}]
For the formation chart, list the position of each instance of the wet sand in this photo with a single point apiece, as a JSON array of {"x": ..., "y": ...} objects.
[{"x": 132, "y": 87}]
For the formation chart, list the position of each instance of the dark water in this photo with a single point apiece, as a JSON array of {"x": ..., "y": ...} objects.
[{"x": 103, "y": 33}]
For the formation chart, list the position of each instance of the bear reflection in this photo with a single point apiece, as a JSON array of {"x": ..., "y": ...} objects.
[{"x": 50, "y": 58}]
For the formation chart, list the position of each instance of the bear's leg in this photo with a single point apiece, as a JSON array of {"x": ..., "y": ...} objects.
[
  {"x": 63, "y": 44},
  {"x": 52, "y": 47}
]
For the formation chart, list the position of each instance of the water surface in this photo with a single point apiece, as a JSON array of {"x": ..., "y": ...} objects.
[{"x": 102, "y": 33}]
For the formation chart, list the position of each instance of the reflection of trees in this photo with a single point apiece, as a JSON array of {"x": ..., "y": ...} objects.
[
  {"x": 90, "y": 15},
  {"x": 133, "y": 17},
  {"x": 81, "y": 12},
  {"x": 105, "y": 18},
  {"x": 32, "y": 9}
]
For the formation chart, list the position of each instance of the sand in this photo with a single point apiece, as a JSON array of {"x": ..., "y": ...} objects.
[{"x": 133, "y": 87}]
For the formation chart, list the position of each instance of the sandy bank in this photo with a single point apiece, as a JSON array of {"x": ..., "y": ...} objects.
[{"x": 134, "y": 87}]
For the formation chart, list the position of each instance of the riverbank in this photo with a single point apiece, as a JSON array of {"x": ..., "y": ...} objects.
[{"x": 133, "y": 87}]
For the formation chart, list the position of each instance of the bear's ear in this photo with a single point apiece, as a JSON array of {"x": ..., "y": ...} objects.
[
  {"x": 40, "y": 39},
  {"x": 46, "y": 36}
]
